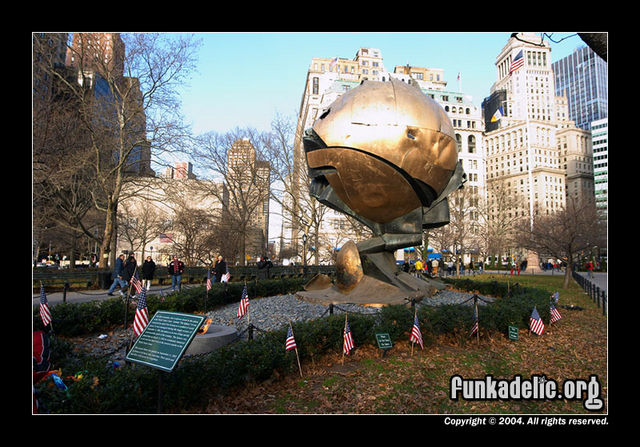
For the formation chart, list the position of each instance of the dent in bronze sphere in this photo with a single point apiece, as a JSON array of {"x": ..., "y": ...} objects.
[{"x": 348, "y": 267}]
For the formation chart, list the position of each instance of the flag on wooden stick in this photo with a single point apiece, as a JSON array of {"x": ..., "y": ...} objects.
[
  {"x": 535, "y": 322},
  {"x": 474, "y": 328},
  {"x": 135, "y": 282},
  {"x": 555, "y": 315},
  {"x": 348, "y": 338},
  {"x": 416, "y": 335},
  {"x": 244, "y": 302},
  {"x": 208, "y": 280},
  {"x": 45, "y": 313},
  {"x": 141, "y": 318},
  {"x": 290, "y": 343}
]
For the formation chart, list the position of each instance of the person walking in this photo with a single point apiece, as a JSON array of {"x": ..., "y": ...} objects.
[
  {"x": 148, "y": 269},
  {"x": 220, "y": 268},
  {"x": 176, "y": 269},
  {"x": 434, "y": 266},
  {"x": 419, "y": 267},
  {"x": 129, "y": 269},
  {"x": 118, "y": 279},
  {"x": 590, "y": 269}
]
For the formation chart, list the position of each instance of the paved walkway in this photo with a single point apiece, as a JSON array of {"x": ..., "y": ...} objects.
[
  {"x": 599, "y": 279},
  {"x": 85, "y": 296}
]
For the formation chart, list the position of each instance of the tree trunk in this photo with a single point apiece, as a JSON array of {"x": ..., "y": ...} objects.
[{"x": 109, "y": 228}]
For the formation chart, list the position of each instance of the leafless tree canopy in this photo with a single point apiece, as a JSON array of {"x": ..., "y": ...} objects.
[
  {"x": 564, "y": 234},
  {"x": 121, "y": 107}
]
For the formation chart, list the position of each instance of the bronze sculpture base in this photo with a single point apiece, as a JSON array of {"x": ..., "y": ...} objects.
[{"x": 370, "y": 280}]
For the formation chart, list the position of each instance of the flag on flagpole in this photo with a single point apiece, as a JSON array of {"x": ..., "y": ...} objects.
[
  {"x": 141, "y": 319},
  {"x": 535, "y": 322},
  {"x": 333, "y": 63},
  {"x": 517, "y": 62},
  {"x": 555, "y": 315},
  {"x": 416, "y": 335},
  {"x": 208, "y": 279},
  {"x": 496, "y": 116},
  {"x": 290, "y": 343},
  {"x": 244, "y": 302},
  {"x": 475, "y": 327},
  {"x": 45, "y": 313},
  {"x": 135, "y": 282},
  {"x": 348, "y": 339}
]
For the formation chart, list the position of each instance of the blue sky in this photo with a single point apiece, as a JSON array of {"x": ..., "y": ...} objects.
[{"x": 227, "y": 91}]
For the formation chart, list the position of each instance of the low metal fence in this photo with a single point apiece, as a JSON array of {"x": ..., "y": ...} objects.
[{"x": 596, "y": 294}]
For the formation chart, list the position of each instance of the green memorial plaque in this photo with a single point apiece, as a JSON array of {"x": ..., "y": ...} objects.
[
  {"x": 384, "y": 341},
  {"x": 165, "y": 339},
  {"x": 513, "y": 332}
]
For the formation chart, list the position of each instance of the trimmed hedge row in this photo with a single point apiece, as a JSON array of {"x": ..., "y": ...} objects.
[
  {"x": 134, "y": 388},
  {"x": 73, "y": 319}
]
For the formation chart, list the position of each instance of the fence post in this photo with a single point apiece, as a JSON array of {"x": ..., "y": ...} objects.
[
  {"x": 604, "y": 301},
  {"x": 64, "y": 292}
]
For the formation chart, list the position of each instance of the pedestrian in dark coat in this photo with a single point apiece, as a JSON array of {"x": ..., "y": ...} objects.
[
  {"x": 220, "y": 268},
  {"x": 129, "y": 268},
  {"x": 148, "y": 269}
]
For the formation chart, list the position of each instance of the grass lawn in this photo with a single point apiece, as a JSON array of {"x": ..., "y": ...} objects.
[{"x": 418, "y": 382}]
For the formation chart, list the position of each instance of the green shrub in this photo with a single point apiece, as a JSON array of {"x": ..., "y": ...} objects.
[{"x": 134, "y": 388}]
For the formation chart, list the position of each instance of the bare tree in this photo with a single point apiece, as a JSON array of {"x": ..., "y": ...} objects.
[
  {"x": 565, "y": 233},
  {"x": 301, "y": 213},
  {"x": 499, "y": 218},
  {"x": 126, "y": 110},
  {"x": 140, "y": 222},
  {"x": 241, "y": 185}
]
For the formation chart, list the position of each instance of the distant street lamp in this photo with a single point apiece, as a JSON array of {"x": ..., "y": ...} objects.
[{"x": 304, "y": 253}]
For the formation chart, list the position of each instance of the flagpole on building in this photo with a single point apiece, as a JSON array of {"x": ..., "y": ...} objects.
[{"x": 296, "y": 349}]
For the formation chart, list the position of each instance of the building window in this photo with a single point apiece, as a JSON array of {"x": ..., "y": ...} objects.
[
  {"x": 315, "y": 86},
  {"x": 472, "y": 144}
]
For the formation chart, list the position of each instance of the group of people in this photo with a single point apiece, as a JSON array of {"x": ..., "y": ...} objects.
[
  {"x": 420, "y": 266},
  {"x": 124, "y": 271}
]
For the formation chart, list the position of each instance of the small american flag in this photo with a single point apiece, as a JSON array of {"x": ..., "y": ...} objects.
[
  {"x": 475, "y": 327},
  {"x": 517, "y": 62},
  {"x": 290, "y": 343},
  {"x": 416, "y": 335},
  {"x": 244, "y": 302},
  {"x": 135, "y": 282},
  {"x": 208, "y": 279},
  {"x": 535, "y": 322},
  {"x": 45, "y": 313},
  {"x": 348, "y": 339},
  {"x": 142, "y": 314},
  {"x": 555, "y": 315}
]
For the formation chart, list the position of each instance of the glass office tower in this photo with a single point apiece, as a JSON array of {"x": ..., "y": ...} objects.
[{"x": 582, "y": 77}]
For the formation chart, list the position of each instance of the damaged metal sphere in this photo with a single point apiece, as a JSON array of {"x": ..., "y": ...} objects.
[{"x": 385, "y": 148}]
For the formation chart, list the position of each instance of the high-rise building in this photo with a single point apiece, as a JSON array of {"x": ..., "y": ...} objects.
[
  {"x": 523, "y": 159},
  {"x": 247, "y": 183},
  {"x": 99, "y": 52},
  {"x": 583, "y": 78},
  {"x": 49, "y": 51},
  {"x": 599, "y": 137}
]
